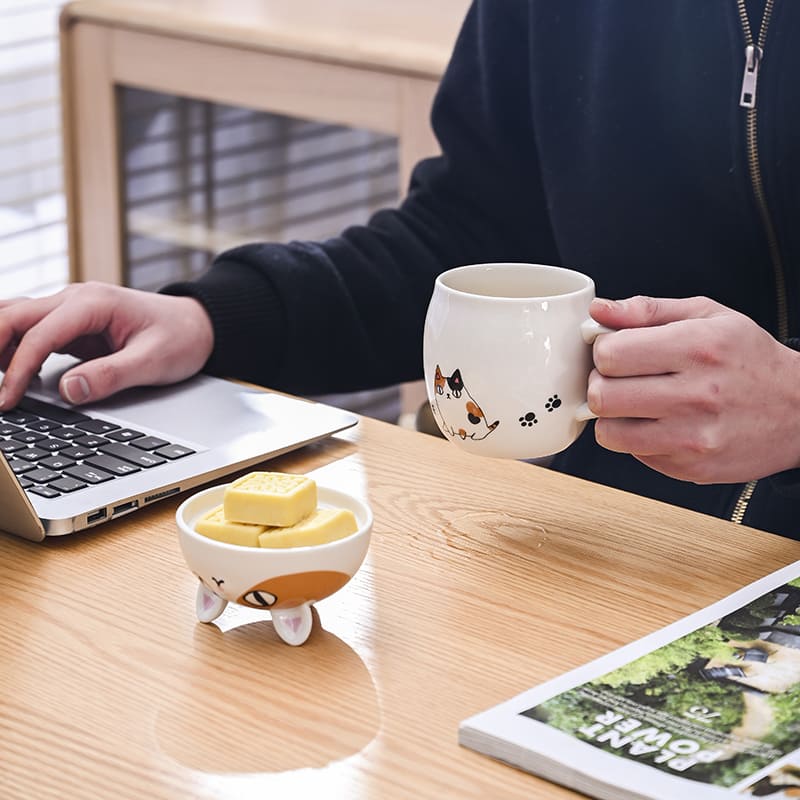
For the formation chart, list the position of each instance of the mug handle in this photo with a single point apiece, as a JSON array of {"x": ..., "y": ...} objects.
[{"x": 590, "y": 330}]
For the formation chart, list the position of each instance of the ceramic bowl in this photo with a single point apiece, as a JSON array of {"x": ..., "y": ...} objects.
[{"x": 284, "y": 581}]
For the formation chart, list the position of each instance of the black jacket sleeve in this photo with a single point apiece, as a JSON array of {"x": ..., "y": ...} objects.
[{"x": 348, "y": 313}]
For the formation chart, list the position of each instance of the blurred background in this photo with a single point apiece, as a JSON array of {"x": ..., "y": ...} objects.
[
  {"x": 197, "y": 177},
  {"x": 33, "y": 234},
  {"x": 173, "y": 179}
]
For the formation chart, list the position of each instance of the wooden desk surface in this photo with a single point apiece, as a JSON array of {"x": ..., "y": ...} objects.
[
  {"x": 412, "y": 37},
  {"x": 483, "y": 579}
]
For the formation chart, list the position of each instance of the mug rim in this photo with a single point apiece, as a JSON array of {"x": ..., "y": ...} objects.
[{"x": 519, "y": 266}]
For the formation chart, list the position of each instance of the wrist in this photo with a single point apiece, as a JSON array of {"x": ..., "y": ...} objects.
[{"x": 200, "y": 329}]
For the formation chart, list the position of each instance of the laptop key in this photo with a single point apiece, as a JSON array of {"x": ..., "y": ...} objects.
[
  {"x": 44, "y": 491},
  {"x": 58, "y": 462},
  {"x": 91, "y": 440},
  {"x": 11, "y": 446},
  {"x": 19, "y": 417},
  {"x": 173, "y": 451},
  {"x": 149, "y": 443},
  {"x": 28, "y": 437},
  {"x": 18, "y": 466},
  {"x": 24, "y": 483},
  {"x": 7, "y": 429},
  {"x": 97, "y": 426},
  {"x": 51, "y": 445},
  {"x": 40, "y": 475},
  {"x": 67, "y": 485},
  {"x": 64, "y": 416},
  {"x": 88, "y": 474},
  {"x": 124, "y": 435},
  {"x": 128, "y": 453},
  {"x": 77, "y": 452},
  {"x": 113, "y": 465},
  {"x": 43, "y": 425},
  {"x": 66, "y": 433},
  {"x": 31, "y": 454}
]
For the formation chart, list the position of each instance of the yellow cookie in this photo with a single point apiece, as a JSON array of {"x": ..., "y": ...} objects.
[
  {"x": 322, "y": 526},
  {"x": 270, "y": 498},
  {"x": 215, "y": 526}
]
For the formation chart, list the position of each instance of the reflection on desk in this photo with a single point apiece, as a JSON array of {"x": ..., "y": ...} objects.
[{"x": 484, "y": 577}]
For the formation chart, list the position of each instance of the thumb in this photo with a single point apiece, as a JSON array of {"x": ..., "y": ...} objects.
[
  {"x": 101, "y": 377},
  {"x": 644, "y": 312}
]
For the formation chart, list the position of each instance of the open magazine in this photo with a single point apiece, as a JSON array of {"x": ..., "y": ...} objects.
[{"x": 708, "y": 707}]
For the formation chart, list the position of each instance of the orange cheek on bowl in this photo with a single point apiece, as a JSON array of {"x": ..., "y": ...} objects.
[{"x": 301, "y": 587}]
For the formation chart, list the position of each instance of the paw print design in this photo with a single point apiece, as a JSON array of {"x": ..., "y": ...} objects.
[
  {"x": 553, "y": 403},
  {"x": 529, "y": 420}
]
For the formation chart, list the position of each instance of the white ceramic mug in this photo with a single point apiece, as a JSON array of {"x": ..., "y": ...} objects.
[{"x": 507, "y": 355}]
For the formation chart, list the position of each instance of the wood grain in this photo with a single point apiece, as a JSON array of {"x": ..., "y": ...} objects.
[{"x": 483, "y": 578}]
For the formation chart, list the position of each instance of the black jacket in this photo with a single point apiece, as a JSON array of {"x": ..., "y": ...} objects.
[{"x": 602, "y": 135}]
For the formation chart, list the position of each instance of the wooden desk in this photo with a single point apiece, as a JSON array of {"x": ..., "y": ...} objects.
[
  {"x": 361, "y": 63},
  {"x": 483, "y": 579}
]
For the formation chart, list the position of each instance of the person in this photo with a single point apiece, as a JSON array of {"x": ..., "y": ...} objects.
[{"x": 609, "y": 137}]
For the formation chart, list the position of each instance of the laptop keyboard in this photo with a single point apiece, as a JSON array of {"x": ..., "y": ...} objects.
[{"x": 54, "y": 450}]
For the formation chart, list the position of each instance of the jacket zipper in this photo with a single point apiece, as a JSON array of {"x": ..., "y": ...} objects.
[{"x": 754, "y": 53}]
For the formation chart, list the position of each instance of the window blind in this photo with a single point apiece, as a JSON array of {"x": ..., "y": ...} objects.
[
  {"x": 33, "y": 238},
  {"x": 199, "y": 178}
]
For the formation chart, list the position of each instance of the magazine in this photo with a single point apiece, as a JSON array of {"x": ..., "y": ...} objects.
[{"x": 708, "y": 707}]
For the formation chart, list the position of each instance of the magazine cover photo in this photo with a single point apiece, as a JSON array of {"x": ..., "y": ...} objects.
[{"x": 719, "y": 705}]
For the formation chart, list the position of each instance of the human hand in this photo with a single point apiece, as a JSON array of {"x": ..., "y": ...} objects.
[
  {"x": 126, "y": 338},
  {"x": 694, "y": 390}
]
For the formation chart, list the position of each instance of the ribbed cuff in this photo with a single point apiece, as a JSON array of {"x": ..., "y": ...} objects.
[{"x": 247, "y": 317}]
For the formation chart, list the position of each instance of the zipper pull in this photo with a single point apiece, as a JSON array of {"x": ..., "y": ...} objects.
[{"x": 752, "y": 58}]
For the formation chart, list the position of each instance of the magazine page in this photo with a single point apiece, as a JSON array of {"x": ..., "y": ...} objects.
[{"x": 707, "y": 707}]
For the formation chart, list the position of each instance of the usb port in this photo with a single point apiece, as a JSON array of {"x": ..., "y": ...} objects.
[
  {"x": 96, "y": 516},
  {"x": 122, "y": 508}
]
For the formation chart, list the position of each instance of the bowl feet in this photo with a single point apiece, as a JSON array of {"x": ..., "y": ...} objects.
[
  {"x": 208, "y": 605},
  {"x": 293, "y": 625}
]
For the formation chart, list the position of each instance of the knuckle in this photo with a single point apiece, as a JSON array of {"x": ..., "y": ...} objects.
[
  {"x": 704, "y": 442},
  {"x": 650, "y": 307},
  {"x": 594, "y": 396},
  {"x": 709, "y": 351},
  {"x": 603, "y": 354}
]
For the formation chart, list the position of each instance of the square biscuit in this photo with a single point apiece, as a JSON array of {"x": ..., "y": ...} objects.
[
  {"x": 273, "y": 499},
  {"x": 215, "y": 526},
  {"x": 320, "y": 527}
]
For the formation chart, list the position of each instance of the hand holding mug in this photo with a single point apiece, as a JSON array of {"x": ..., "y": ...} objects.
[{"x": 507, "y": 356}]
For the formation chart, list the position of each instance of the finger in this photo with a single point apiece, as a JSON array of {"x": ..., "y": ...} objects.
[
  {"x": 136, "y": 364},
  {"x": 48, "y": 335},
  {"x": 674, "y": 439},
  {"x": 19, "y": 315},
  {"x": 659, "y": 350},
  {"x": 7, "y": 303},
  {"x": 643, "y": 312},
  {"x": 5, "y": 357},
  {"x": 651, "y": 396}
]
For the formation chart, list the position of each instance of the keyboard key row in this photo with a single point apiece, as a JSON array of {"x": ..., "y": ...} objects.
[
  {"x": 37, "y": 474},
  {"x": 55, "y": 450}
]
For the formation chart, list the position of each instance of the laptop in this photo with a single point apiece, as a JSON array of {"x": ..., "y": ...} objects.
[{"x": 66, "y": 469}]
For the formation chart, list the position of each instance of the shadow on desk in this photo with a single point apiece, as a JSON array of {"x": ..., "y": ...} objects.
[{"x": 197, "y": 727}]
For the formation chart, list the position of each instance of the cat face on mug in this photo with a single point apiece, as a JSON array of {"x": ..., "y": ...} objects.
[{"x": 456, "y": 411}]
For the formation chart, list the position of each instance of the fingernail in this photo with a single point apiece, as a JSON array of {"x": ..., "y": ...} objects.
[
  {"x": 75, "y": 389},
  {"x": 3, "y": 395}
]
